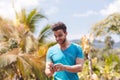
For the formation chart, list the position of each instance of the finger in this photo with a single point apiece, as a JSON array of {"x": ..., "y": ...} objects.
[
  {"x": 50, "y": 64},
  {"x": 51, "y": 67},
  {"x": 57, "y": 67}
]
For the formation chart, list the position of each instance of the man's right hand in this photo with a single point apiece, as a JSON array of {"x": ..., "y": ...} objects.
[
  {"x": 49, "y": 71},
  {"x": 51, "y": 67}
]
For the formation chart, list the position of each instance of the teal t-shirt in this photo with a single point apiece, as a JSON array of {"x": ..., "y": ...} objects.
[{"x": 65, "y": 57}]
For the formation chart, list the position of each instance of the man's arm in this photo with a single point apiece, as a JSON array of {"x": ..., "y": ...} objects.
[
  {"x": 49, "y": 69},
  {"x": 75, "y": 68}
]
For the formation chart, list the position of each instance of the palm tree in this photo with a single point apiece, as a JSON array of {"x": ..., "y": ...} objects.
[
  {"x": 29, "y": 20},
  {"x": 20, "y": 40},
  {"x": 15, "y": 62}
]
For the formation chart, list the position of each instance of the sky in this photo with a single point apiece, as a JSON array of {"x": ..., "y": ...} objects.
[{"x": 78, "y": 15}]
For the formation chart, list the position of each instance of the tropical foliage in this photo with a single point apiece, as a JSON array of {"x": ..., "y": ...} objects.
[
  {"x": 109, "y": 25},
  {"x": 21, "y": 56},
  {"x": 29, "y": 20},
  {"x": 102, "y": 64}
]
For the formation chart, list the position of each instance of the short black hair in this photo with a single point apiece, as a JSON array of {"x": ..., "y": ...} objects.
[{"x": 58, "y": 26}]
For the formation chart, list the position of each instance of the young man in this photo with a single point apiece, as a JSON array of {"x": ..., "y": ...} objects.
[{"x": 64, "y": 59}]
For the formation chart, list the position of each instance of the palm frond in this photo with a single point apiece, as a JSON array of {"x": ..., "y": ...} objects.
[
  {"x": 30, "y": 15},
  {"x": 38, "y": 65},
  {"x": 23, "y": 16},
  {"x": 8, "y": 58},
  {"x": 45, "y": 33},
  {"x": 34, "y": 19}
]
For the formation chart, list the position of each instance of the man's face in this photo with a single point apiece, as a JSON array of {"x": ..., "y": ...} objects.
[{"x": 60, "y": 36}]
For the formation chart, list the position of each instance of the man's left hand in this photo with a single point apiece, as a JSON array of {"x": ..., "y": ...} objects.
[{"x": 59, "y": 67}]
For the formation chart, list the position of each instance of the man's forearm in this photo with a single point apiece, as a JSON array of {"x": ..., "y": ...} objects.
[{"x": 74, "y": 68}]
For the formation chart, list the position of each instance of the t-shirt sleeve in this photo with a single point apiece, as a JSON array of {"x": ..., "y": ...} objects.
[
  {"x": 48, "y": 56},
  {"x": 80, "y": 53}
]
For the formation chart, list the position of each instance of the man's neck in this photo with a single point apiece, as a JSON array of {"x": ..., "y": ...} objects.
[{"x": 65, "y": 45}]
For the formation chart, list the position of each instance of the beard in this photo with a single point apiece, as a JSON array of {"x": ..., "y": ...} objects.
[{"x": 62, "y": 42}]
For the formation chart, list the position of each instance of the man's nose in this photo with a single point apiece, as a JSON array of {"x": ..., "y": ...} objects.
[{"x": 57, "y": 38}]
